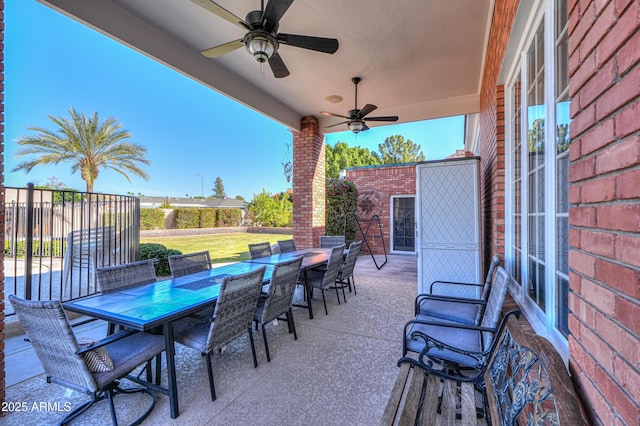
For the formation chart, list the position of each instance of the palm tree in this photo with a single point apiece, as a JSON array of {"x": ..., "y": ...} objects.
[{"x": 88, "y": 144}]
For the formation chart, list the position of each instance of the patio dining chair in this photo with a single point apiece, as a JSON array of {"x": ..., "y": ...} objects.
[
  {"x": 259, "y": 250},
  {"x": 323, "y": 279},
  {"x": 279, "y": 299},
  {"x": 185, "y": 264},
  {"x": 328, "y": 241},
  {"x": 112, "y": 278},
  {"x": 94, "y": 370},
  {"x": 286, "y": 246},
  {"x": 345, "y": 276},
  {"x": 429, "y": 304},
  {"x": 232, "y": 317},
  {"x": 455, "y": 343}
]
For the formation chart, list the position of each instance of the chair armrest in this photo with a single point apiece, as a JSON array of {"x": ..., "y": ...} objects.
[
  {"x": 422, "y": 298},
  {"x": 107, "y": 340},
  {"x": 434, "y": 285}
]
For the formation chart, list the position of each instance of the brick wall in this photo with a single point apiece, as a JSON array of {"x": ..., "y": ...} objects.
[
  {"x": 604, "y": 191},
  {"x": 2, "y": 334},
  {"x": 491, "y": 137},
  {"x": 309, "y": 184},
  {"x": 387, "y": 181}
]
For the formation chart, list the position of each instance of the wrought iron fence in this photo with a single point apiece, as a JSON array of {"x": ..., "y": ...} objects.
[{"x": 54, "y": 240}]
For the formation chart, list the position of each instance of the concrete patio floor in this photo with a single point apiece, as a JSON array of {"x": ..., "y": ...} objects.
[{"x": 340, "y": 371}]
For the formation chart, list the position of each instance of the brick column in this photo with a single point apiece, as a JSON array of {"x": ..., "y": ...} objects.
[{"x": 309, "y": 183}]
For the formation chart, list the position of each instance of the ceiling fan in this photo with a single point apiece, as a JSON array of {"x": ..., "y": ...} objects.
[
  {"x": 262, "y": 39},
  {"x": 356, "y": 117}
]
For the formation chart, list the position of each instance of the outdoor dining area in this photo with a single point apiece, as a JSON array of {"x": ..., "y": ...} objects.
[{"x": 332, "y": 363}]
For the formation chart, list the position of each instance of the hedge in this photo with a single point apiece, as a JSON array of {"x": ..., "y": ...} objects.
[
  {"x": 187, "y": 218},
  {"x": 160, "y": 252},
  {"x": 228, "y": 217},
  {"x": 208, "y": 218},
  {"x": 151, "y": 219}
]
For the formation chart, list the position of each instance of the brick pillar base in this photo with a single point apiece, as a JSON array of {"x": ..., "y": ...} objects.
[{"x": 309, "y": 184}]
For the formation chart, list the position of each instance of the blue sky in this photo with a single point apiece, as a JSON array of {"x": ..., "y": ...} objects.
[{"x": 53, "y": 63}]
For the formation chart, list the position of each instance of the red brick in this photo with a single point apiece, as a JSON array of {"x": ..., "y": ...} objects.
[
  {"x": 623, "y": 342},
  {"x": 574, "y": 238},
  {"x": 581, "y": 28},
  {"x": 598, "y": 190},
  {"x": 582, "y": 263},
  {"x": 620, "y": 217},
  {"x": 600, "y": 243},
  {"x": 627, "y": 120},
  {"x": 585, "y": 362},
  {"x": 628, "y": 184},
  {"x": 597, "y": 348},
  {"x": 599, "y": 297},
  {"x": 619, "y": 95},
  {"x": 583, "y": 73},
  {"x": 629, "y": 54},
  {"x": 623, "y": 403},
  {"x": 627, "y": 376},
  {"x": 618, "y": 156},
  {"x": 598, "y": 137},
  {"x": 628, "y": 312},
  {"x": 602, "y": 79},
  {"x": 600, "y": 28},
  {"x": 595, "y": 400},
  {"x": 619, "y": 277},
  {"x": 582, "y": 121},
  {"x": 625, "y": 26},
  {"x": 628, "y": 249},
  {"x": 582, "y": 216},
  {"x": 582, "y": 169}
]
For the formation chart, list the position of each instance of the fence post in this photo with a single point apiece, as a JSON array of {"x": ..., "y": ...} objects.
[{"x": 28, "y": 256}]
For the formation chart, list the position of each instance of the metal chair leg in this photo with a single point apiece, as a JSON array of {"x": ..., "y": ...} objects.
[
  {"x": 212, "y": 386},
  {"x": 253, "y": 348},
  {"x": 266, "y": 345},
  {"x": 292, "y": 323},
  {"x": 325, "y": 302}
]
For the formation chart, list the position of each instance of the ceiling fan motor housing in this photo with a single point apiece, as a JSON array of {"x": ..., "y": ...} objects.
[{"x": 261, "y": 41}]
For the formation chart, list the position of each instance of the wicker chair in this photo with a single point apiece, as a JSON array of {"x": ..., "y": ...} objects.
[
  {"x": 323, "y": 279},
  {"x": 279, "y": 299},
  {"x": 328, "y": 241},
  {"x": 470, "y": 314},
  {"x": 185, "y": 264},
  {"x": 259, "y": 250},
  {"x": 345, "y": 275},
  {"x": 66, "y": 364},
  {"x": 112, "y": 278},
  {"x": 232, "y": 317},
  {"x": 458, "y": 343},
  {"x": 286, "y": 246}
]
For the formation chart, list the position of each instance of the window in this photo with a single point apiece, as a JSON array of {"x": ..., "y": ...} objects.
[{"x": 537, "y": 144}]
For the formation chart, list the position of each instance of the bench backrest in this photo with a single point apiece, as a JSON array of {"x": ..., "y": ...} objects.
[{"x": 527, "y": 382}]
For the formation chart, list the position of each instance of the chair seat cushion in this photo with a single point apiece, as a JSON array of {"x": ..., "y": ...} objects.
[
  {"x": 463, "y": 313},
  {"x": 465, "y": 340},
  {"x": 128, "y": 353},
  {"x": 192, "y": 333}
]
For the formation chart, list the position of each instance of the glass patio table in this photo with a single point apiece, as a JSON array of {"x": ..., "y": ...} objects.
[{"x": 161, "y": 303}]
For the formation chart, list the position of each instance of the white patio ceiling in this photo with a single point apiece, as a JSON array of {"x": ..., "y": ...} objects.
[{"x": 418, "y": 59}]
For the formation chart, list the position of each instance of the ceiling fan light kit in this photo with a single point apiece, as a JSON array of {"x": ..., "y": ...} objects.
[
  {"x": 262, "y": 39},
  {"x": 356, "y": 117}
]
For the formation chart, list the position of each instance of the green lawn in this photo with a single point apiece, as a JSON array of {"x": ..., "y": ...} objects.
[{"x": 221, "y": 247}]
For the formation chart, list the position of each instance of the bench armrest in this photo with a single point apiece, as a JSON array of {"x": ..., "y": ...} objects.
[{"x": 423, "y": 298}]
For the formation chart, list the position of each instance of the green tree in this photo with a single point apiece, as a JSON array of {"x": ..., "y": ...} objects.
[
  {"x": 396, "y": 150},
  {"x": 271, "y": 210},
  {"x": 87, "y": 144},
  {"x": 340, "y": 156},
  {"x": 60, "y": 191},
  {"x": 342, "y": 199},
  {"x": 218, "y": 188}
]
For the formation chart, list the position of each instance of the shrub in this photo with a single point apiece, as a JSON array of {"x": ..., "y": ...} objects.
[
  {"x": 187, "y": 218},
  {"x": 229, "y": 217},
  {"x": 342, "y": 198},
  {"x": 271, "y": 210},
  {"x": 151, "y": 219},
  {"x": 208, "y": 218},
  {"x": 160, "y": 252}
]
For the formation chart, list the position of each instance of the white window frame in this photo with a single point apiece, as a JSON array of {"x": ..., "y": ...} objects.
[{"x": 543, "y": 321}]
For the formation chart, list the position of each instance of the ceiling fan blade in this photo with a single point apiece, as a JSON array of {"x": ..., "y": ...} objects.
[
  {"x": 273, "y": 12},
  {"x": 387, "y": 118},
  {"x": 335, "y": 115},
  {"x": 220, "y": 50},
  {"x": 337, "y": 124},
  {"x": 366, "y": 110},
  {"x": 278, "y": 67},
  {"x": 319, "y": 44},
  {"x": 221, "y": 12},
  {"x": 364, "y": 127}
]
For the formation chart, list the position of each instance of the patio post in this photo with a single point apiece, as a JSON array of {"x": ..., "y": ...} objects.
[{"x": 309, "y": 183}]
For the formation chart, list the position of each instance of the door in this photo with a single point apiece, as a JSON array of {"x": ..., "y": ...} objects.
[
  {"x": 403, "y": 224},
  {"x": 448, "y": 222}
]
